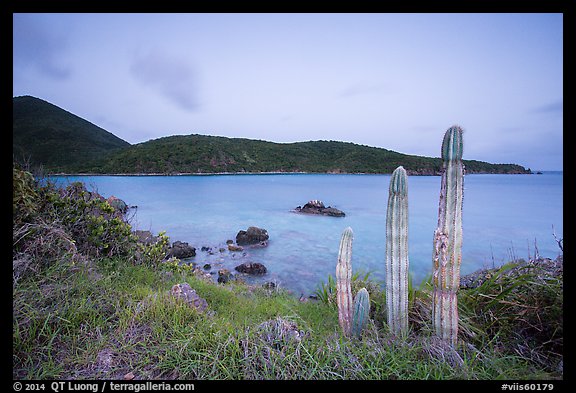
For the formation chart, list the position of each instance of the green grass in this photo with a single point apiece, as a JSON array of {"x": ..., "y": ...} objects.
[{"x": 104, "y": 319}]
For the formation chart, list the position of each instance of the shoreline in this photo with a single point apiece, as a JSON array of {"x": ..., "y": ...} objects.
[{"x": 276, "y": 173}]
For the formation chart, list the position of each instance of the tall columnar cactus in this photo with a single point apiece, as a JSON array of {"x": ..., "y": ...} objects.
[
  {"x": 343, "y": 279},
  {"x": 448, "y": 239},
  {"x": 397, "y": 252},
  {"x": 361, "y": 312}
]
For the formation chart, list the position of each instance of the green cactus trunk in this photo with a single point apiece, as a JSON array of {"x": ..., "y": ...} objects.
[
  {"x": 343, "y": 281},
  {"x": 361, "y": 312},
  {"x": 397, "y": 252},
  {"x": 448, "y": 239}
]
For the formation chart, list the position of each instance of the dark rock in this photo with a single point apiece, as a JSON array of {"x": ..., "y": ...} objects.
[
  {"x": 317, "y": 207},
  {"x": 207, "y": 266},
  {"x": 181, "y": 250},
  {"x": 333, "y": 212},
  {"x": 206, "y": 248},
  {"x": 189, "y": 295},
  {"x": 269, "y": 285},
  {"x": 252, "y": 236},
  {"x": 224, "y": 276},
  {"x": 251, "y": 268}
]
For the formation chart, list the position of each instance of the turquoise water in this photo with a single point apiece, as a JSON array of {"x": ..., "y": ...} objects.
[{"x": 504, "y": 215}]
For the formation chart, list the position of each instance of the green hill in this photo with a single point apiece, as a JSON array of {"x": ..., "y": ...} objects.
[
  {"x": 63, "y": 142},
  {"x": 211, "y": 154},
  {"x": 44, "y": 134}
]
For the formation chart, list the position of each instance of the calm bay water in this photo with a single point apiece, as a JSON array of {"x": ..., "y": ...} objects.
[{"x": 503, "y": 216}]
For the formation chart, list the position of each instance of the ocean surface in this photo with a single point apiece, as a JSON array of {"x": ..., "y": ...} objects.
[{"x": 504, "y": 217}]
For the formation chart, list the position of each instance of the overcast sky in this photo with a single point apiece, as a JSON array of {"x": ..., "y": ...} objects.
[{"x": 396, "y": 81}]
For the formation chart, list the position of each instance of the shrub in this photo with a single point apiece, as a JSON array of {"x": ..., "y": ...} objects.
[
  {"x": 71, "y": 223},
  {"x": 24, "y": 196}
]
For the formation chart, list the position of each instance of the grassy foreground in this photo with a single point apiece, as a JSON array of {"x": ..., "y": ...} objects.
[
  {"x": 109, "y": 319},
  {"x": 86, "y": 306}
]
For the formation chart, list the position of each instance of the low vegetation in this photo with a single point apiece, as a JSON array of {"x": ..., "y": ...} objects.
[{"x": 92, "y": 302}]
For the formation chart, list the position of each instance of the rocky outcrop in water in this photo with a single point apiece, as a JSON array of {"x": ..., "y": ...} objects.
[
  {"x": 181, "y": 250},
  {"x": 251, "y": 268},
  {"x": 252, "y": 236},
  {"x": 318, "y": 208}
]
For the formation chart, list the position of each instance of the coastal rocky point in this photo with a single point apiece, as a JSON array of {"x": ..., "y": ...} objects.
[{"x": 318, "y": 208}]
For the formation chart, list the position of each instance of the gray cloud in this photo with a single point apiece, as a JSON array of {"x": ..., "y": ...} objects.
[
  {"x": 37, "y": 46},
  {"x": 171, "y": 77}
]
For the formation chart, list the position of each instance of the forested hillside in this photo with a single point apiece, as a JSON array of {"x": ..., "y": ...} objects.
[
  {"x": 210, "y": 154},
  {"x": 45, "y": 134},
  {"x": 61, "y": 142}
]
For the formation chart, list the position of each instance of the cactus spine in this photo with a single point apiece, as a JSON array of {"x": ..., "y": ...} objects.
[
  {"x": 448, "y": 239},
  {"x": 397, "y": 252},
  {"x": 361, "y": 312},
  {"x": 343, "y": 278}
]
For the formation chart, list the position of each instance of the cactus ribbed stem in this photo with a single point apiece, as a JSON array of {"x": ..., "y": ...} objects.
[
  {"x": 343, "y": 281},
  {"x": 448, "y": 239},
  {"x": 397, "y": 252},
  {"x": 361, "y": 312}
]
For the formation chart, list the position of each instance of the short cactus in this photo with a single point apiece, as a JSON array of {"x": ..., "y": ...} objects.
[
  {"x": 397, "y": 252},
  {"x": 361, "y": 312},
  {"x": 448, "y": 239},
  {"x": 343, "y": 281}
]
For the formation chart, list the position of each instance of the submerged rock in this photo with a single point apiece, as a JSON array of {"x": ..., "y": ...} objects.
[{"x": 317, "y": 207}]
